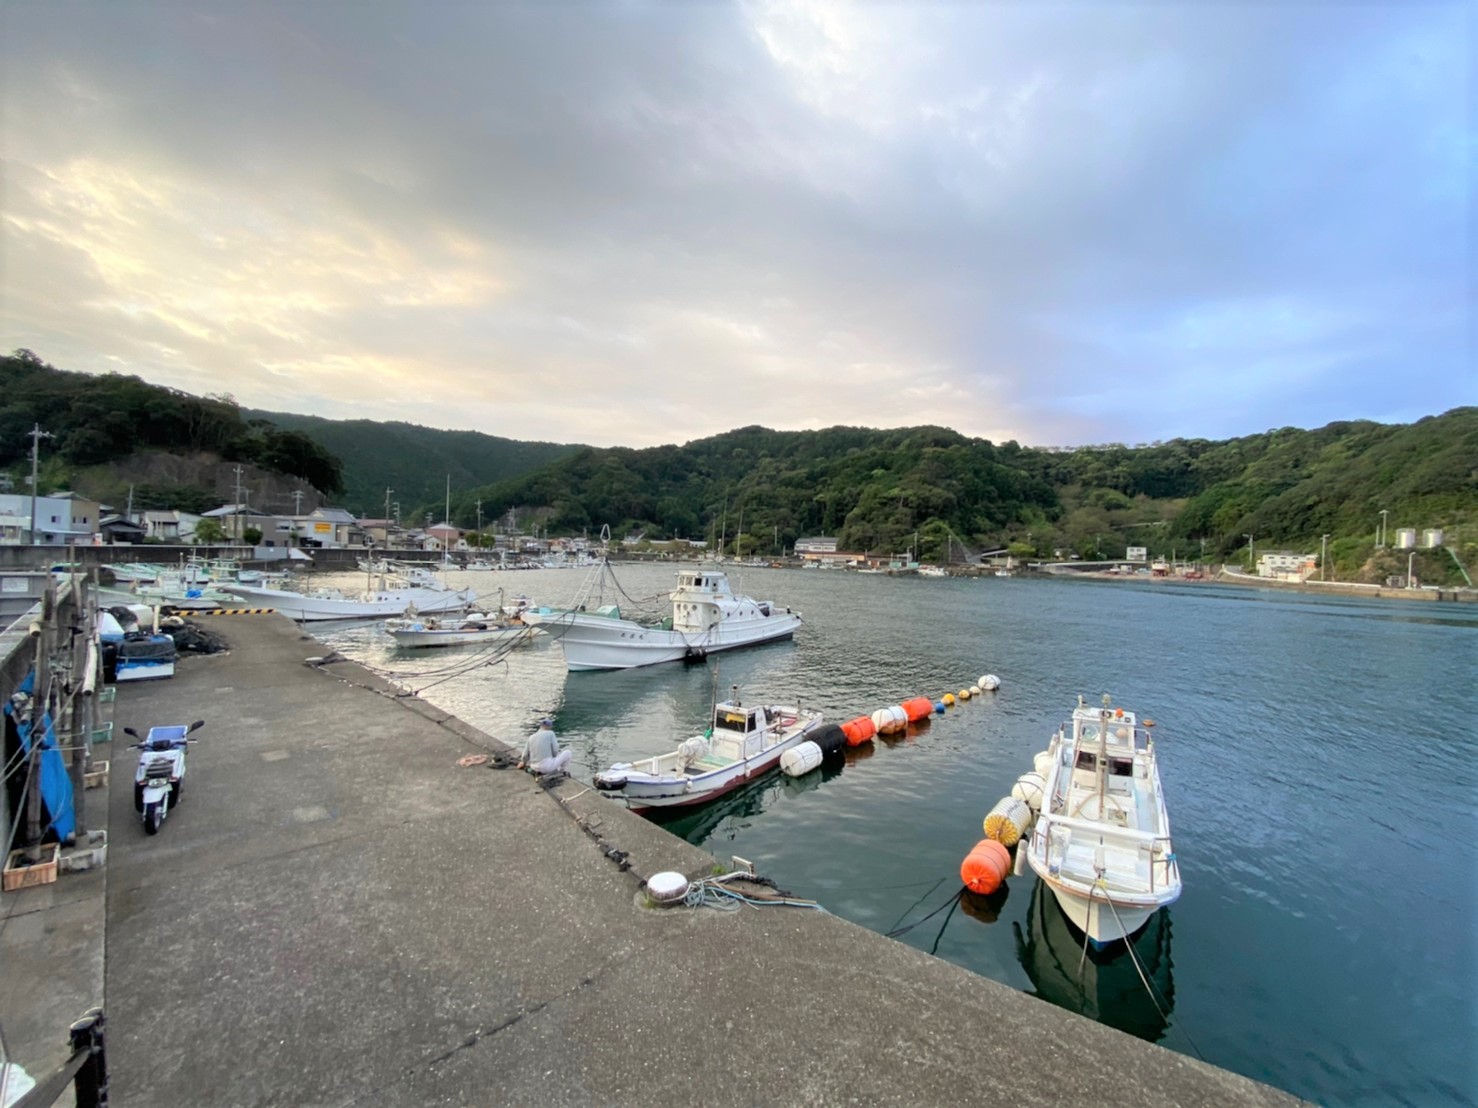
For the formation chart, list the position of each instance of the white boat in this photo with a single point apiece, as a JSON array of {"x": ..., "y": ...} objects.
[
  {"x": 473, "y": 628},
  {"x": 372, "y": 604},
  {"x": 743, "y": 743},
  {"x": 706, "y": 617},
  {"x": 1102, "y": 840}
]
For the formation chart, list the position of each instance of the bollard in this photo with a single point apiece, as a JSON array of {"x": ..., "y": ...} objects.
[{"x": 91, "y": 1082}]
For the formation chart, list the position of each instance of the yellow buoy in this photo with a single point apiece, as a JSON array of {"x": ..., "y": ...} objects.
[
  {"x": 964, "y": 694},
  {"x": 949, "y": 699}
]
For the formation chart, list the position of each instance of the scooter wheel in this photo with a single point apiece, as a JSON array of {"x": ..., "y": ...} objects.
[
  {"x": 138, "y": 798},
  {"x": 153, "y": 817}
]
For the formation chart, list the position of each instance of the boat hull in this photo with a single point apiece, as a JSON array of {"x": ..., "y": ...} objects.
[
  {"x": 599, "y": 643},
  {"x": 1095, "y": 917},
  {"x": 428, "y": 637},
  {"x": 381, "y": 605}
]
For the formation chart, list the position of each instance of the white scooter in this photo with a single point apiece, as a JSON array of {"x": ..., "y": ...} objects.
[{"x": 160, "y": 778}]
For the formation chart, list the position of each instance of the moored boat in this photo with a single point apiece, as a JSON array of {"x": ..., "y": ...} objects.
[
  {"x": 707, "y": 617},
  {"x": 372, "y": 604},
  {"x": 742, "y": 743},
  {"x": 472, "y": 629},
  {"x": 1101, "y": 842}
]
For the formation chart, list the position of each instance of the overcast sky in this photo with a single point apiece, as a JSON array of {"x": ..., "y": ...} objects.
[{"x": 630, "y": 224}]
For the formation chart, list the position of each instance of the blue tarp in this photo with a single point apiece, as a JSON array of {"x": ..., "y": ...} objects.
[{"x": 56, "y": 785}]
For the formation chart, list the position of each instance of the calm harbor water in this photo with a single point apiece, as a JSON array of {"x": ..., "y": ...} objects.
[{"x": 1318, "y": 759}]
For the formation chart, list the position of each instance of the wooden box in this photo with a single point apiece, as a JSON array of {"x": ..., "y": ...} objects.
[{"x": 17, "y": 876}]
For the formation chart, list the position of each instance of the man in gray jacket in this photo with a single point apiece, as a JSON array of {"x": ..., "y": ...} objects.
[{"x": 541, "y": 754}]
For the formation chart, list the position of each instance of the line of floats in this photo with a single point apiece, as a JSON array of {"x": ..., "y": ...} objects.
[
  {"x": 985, "y": 867},
  {"x": 830, "y": 739}
]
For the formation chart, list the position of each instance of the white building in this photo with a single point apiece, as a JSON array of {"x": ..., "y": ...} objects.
[
  {"x": 1287, "y": 567},
  {"x": 64, "y": 517},
  {"x": 820, "y": 544}
]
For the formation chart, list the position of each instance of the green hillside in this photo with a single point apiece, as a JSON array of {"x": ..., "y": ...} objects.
[
  {"x": 874, "y": 490},
  {"x": 415, "y": 461}
]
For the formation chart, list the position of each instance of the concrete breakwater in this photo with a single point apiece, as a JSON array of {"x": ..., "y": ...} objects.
[{"x": 338, "y": 913}]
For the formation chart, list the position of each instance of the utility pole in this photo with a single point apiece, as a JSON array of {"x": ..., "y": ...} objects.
[
  {"x": 1381, "y": 541},
  {"x": 479, "y": 523},
  {"x": 36, "y": 436},
  {"x": 1324, "y": 558},
  {"x": 238, "y": 506},
  {"x": 297, "y": 502},
  {"x": 1250, "y": 553}
]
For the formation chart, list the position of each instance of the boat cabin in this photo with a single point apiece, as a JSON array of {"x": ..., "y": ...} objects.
[{"x": 738, "y": 732}]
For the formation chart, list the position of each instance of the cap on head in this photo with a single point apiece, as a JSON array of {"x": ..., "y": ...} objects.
[{"x": 546, "y": 722}]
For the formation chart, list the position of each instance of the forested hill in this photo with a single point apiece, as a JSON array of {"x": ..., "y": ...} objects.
[
  {"x": 414, "y": 461},
  {"x": 93, "y": 420},
  {"x": 874, "y": 489}
]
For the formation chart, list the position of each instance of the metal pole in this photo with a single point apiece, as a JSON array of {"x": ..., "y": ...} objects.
[
  {"x": 1324, "y": 558},
  {"x": 1381, "y": 544},
  {"x": 36, "y": 436},
  {"x": 1410, "y": 559}
]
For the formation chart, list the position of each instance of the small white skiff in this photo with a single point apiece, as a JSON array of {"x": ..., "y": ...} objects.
[
  {"x": 473, "y": 628},
  {"x": 743, "y": 743},
  {"x": 375, "y": 604},
  {"x": 1102, "y": 840}
]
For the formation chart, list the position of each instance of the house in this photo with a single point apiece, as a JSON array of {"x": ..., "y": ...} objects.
[
  {"x": 169, "y": 526},
  {"x": 236, "y": 519},
  {"x": 63, "y": 517},
  {"x": 333, "y": 527},
  {"x": 118, "y": 529},
  {"x": 444, "y": 537}
]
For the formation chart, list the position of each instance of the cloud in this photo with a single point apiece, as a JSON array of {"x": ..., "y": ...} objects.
[{"x": 637, "y": 224}]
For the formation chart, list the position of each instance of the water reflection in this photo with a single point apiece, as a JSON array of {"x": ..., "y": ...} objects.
[
  {"x": 986, "y": 907},
  {"x": 1103, "y": 985}
]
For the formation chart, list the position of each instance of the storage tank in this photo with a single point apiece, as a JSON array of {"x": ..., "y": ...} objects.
[
  {"x": 1432, "y": 538},
  {"x": 1405, "y": 538}
]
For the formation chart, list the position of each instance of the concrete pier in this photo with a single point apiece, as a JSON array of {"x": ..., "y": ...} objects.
[{"x": 338, "y": 914}]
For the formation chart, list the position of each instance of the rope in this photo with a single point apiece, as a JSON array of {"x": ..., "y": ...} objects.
[
  {"x": 710, "y": 892},
  {"x": 953, "y": 899},
  {"x": 1154, "y": 994}
]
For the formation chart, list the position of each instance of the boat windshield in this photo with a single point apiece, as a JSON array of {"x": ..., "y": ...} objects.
[{"x": 726, "y": 719}]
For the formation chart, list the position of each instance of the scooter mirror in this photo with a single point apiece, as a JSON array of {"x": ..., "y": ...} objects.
[
  {"x": 130, "y": 731},
  {"x": 196, "y": 725}
]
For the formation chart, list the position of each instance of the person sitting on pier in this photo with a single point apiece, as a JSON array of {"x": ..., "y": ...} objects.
[{"x": 541, "y": 754}]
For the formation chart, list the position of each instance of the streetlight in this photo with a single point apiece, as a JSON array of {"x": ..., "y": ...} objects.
[
  {"x": 1381, "y": 544},
  {"x": 1410, "y": 559},
  {"x": 1249, "y": 551},
  {"x": 1324, "y": 558}
]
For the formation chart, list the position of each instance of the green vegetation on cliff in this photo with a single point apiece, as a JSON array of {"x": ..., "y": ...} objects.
[{"x": 98, "y": 419}]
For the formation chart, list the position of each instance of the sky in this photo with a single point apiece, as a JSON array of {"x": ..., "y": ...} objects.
[{"x": 632, "y": 223}]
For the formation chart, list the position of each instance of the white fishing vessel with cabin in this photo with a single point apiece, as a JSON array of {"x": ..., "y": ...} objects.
[
  {"x": 1101, "y": 842},
  {"x": 707, "y": 617},
  {"x": 742, "y": 743}
]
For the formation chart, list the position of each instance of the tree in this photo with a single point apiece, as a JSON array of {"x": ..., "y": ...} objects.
[
  {"x": 251, "y": 535},
  {"x": 209, "y": 531}
]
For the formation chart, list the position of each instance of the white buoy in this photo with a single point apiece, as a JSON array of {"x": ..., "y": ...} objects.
[
  {"x": 1029, "y": 787},
  {"x": 1019, "y": 866},
  {"x": 1042, "y": 762},
  {"x": 990, "y": 682},
  {"x": 800, "y": 759}
]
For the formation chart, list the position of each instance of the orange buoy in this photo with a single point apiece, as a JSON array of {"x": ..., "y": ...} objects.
[
  {"x": 917, "y": 708},
  {"x": 859, "y": 730},
  {"x": 985, "y": 867}
]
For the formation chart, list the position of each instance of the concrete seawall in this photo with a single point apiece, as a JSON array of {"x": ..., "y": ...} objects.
[{"x": 338, "y": 914}]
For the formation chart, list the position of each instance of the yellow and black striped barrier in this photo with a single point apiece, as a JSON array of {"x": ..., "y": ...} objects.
[{"x": 235, "y": 612}]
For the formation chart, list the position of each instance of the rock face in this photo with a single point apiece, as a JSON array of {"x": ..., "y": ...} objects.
[{"x": 204, "y": 477}]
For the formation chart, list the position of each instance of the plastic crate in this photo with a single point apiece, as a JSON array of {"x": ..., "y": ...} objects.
[
  {"x": 43, "y": 872},
  {"x": 108, "y": 694},
  {"x": 103, "y": 733},
  {"x": 97, "y": 776},
  {"x": 91, "y": 851}
]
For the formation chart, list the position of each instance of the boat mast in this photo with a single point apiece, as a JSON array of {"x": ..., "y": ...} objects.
[{"x": 1103, "y": 723}]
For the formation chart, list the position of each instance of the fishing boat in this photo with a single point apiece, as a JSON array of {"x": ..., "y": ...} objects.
[
  {"x": 707, "y": 617},
  {"x": 1102, "y": 840},
  {"x": 374, "y": 603},
  {"x": 475, "y": 628},
  {"x": 743, "y": 743}
]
